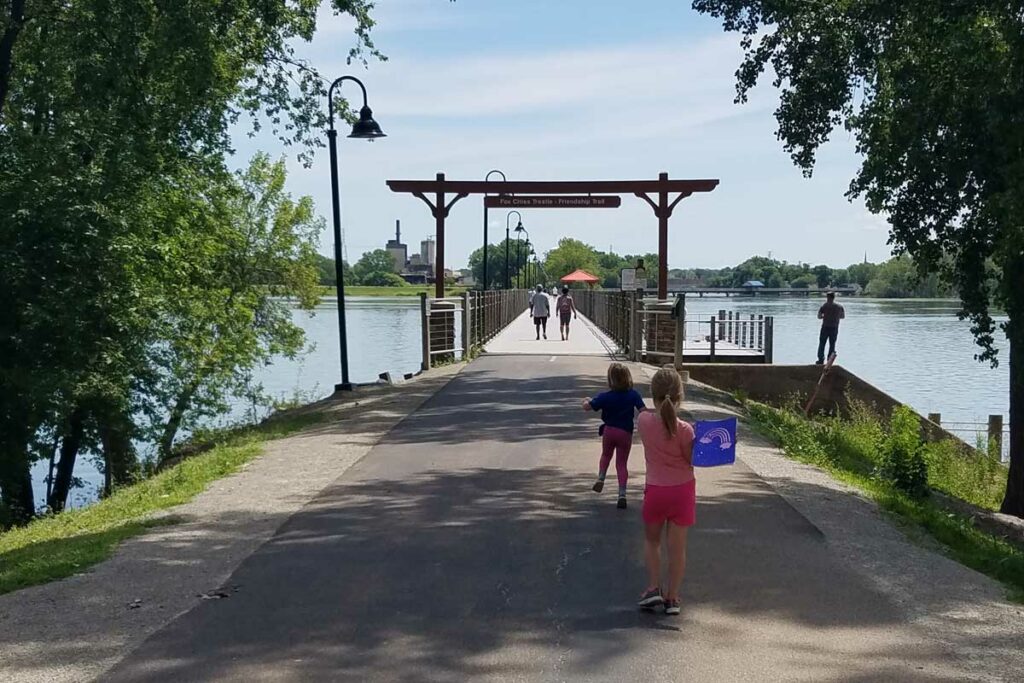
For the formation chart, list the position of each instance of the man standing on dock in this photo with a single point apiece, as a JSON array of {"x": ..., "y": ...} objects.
[{"x": 829, "y": 314}]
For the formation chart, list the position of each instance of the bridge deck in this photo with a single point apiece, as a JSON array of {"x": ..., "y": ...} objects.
[{"x": 520, "y": 338}]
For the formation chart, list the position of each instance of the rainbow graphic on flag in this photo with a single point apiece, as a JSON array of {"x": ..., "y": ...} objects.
[{"x": 715, "y": 443}]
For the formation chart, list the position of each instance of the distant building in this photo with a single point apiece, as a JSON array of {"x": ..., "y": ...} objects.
[
  {"x": 428, "y": 251},
  {"x": 752, "y": 284},
  {"x": 398, "y": 251}
]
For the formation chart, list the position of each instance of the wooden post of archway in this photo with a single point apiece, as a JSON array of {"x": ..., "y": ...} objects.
[
  {"x": 663, "y": 210},
  {"x": 440, "y": 210}
]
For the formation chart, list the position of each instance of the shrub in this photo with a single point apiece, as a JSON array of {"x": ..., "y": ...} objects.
[
  {"x": 901, "y": 460},
  {"x": 382, "y": 279}
]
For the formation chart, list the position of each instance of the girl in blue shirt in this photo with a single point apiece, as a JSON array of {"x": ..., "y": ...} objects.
[{"x": 618, "y": 407}]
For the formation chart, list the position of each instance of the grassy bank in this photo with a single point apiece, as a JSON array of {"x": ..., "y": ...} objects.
[
  {"x": 57, "y": 546},
  {"x": 357, "y": 290},
  {"x": 859, "y": 452}
]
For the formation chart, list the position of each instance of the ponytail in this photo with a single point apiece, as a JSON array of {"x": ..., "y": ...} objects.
[
  {"x": 667, "y": 411},
  {"x": 667, "y": 389}
]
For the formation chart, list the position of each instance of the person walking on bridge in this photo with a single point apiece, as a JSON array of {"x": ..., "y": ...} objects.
[
  {"x": 540, "y": 309},
  {"x": 566, "y": 308},
  {"x": 829, "y": 314}
]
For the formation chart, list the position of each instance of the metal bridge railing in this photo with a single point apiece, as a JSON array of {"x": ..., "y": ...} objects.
[
  {"x": 611, "y": 311},
  {"x": 455, "y": 327}
]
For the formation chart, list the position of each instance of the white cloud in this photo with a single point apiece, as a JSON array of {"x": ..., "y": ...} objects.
[
  {"x": 471, "y": 86},
  {"x": 618, "y": 111}
]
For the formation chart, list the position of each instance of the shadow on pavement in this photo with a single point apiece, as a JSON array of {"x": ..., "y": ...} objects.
[{"x": 505, "y": 573}]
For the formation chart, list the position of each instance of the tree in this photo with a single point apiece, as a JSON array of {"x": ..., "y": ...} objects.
[
  {"x": 899, "y": 278},
  {"x": 822, "y": 276},
  {"x": 610, "y": 267},
  {"x": 495, "y": 263},
  {"x": 568, "y": 256},
  {"x": 325, "y": 269},
  {"x": 933, "y": 93},
  {"x": 803, "y": 282},
  {"x": 861, "y": 273},
  {"x": 219, "y": 318},
  {"x": 102, "y": 106},
  {"x": 381, "y": 279},
  {"x": 376, "y": 261}
]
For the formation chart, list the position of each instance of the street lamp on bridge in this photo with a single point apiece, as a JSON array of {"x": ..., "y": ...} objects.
[
  {"x": 508, "y": 281},
  {"x": 366, "y": 129},
  {"x": 519, "y": 252},
  {"x": 527, "y": 249},
  {"x": 487, "y": 178}
]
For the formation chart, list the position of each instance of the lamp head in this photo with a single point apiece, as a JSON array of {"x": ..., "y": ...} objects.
[
  {"x": 519, "y": 227},
  {"x": 366, "y": 128}
]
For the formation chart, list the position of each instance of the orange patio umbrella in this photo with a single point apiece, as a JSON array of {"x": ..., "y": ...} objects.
[{"x": 581, "y": 276}]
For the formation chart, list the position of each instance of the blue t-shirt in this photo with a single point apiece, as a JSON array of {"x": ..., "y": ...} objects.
[{"x": 617, "y": 407}]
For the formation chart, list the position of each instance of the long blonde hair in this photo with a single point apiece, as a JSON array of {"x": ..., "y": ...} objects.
[{"x": 667, "y": 391}]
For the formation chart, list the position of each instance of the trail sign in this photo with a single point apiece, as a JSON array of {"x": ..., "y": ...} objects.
[
  {"x": 627, "y": 279},
  {"x": 633, "y": 279},
  {"x": 553, "y": 202}
]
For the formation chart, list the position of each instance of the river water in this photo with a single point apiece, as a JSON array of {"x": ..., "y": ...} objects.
[{"x": 915, "y": 350}]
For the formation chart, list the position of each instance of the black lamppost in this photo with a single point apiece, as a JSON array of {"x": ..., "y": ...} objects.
[
  {"x": 365, "y": 128},
  {"x": 486, "y": 178},
  {"x": 529, "y": 250},
  {"x": 528, "y": 283},
  {"x": 519, "y": 252},
  {"x": 508, "y": 281}
]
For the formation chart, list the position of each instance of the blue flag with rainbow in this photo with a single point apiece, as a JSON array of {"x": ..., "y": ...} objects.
[{"x": 715, "y": 443}]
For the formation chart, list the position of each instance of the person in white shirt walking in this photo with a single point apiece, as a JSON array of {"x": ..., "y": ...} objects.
[{"x": 540, "y": 309}]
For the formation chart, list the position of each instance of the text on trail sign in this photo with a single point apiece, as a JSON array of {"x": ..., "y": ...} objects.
[{"x": 553, "y": 202}]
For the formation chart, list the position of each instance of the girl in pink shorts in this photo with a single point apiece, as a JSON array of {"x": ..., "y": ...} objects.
[{"x": 670, "y": 495}]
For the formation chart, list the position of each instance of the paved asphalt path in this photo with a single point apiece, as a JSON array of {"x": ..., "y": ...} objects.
[{"x": 467, "y": 545}]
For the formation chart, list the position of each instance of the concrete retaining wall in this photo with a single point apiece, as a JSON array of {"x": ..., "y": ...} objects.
[{"x": 783, "y": 384}]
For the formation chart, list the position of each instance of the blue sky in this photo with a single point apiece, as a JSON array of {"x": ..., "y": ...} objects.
[{"x": 566, "y": 90}]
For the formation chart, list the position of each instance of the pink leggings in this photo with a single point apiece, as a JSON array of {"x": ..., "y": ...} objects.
[{"x": 618, "y": 441}]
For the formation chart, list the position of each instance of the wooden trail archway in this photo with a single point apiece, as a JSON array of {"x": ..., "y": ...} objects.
[{"x": 441, "y": 195}]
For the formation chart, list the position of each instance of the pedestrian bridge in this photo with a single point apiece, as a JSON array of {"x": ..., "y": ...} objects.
[{"x": 610, "y": 323}]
